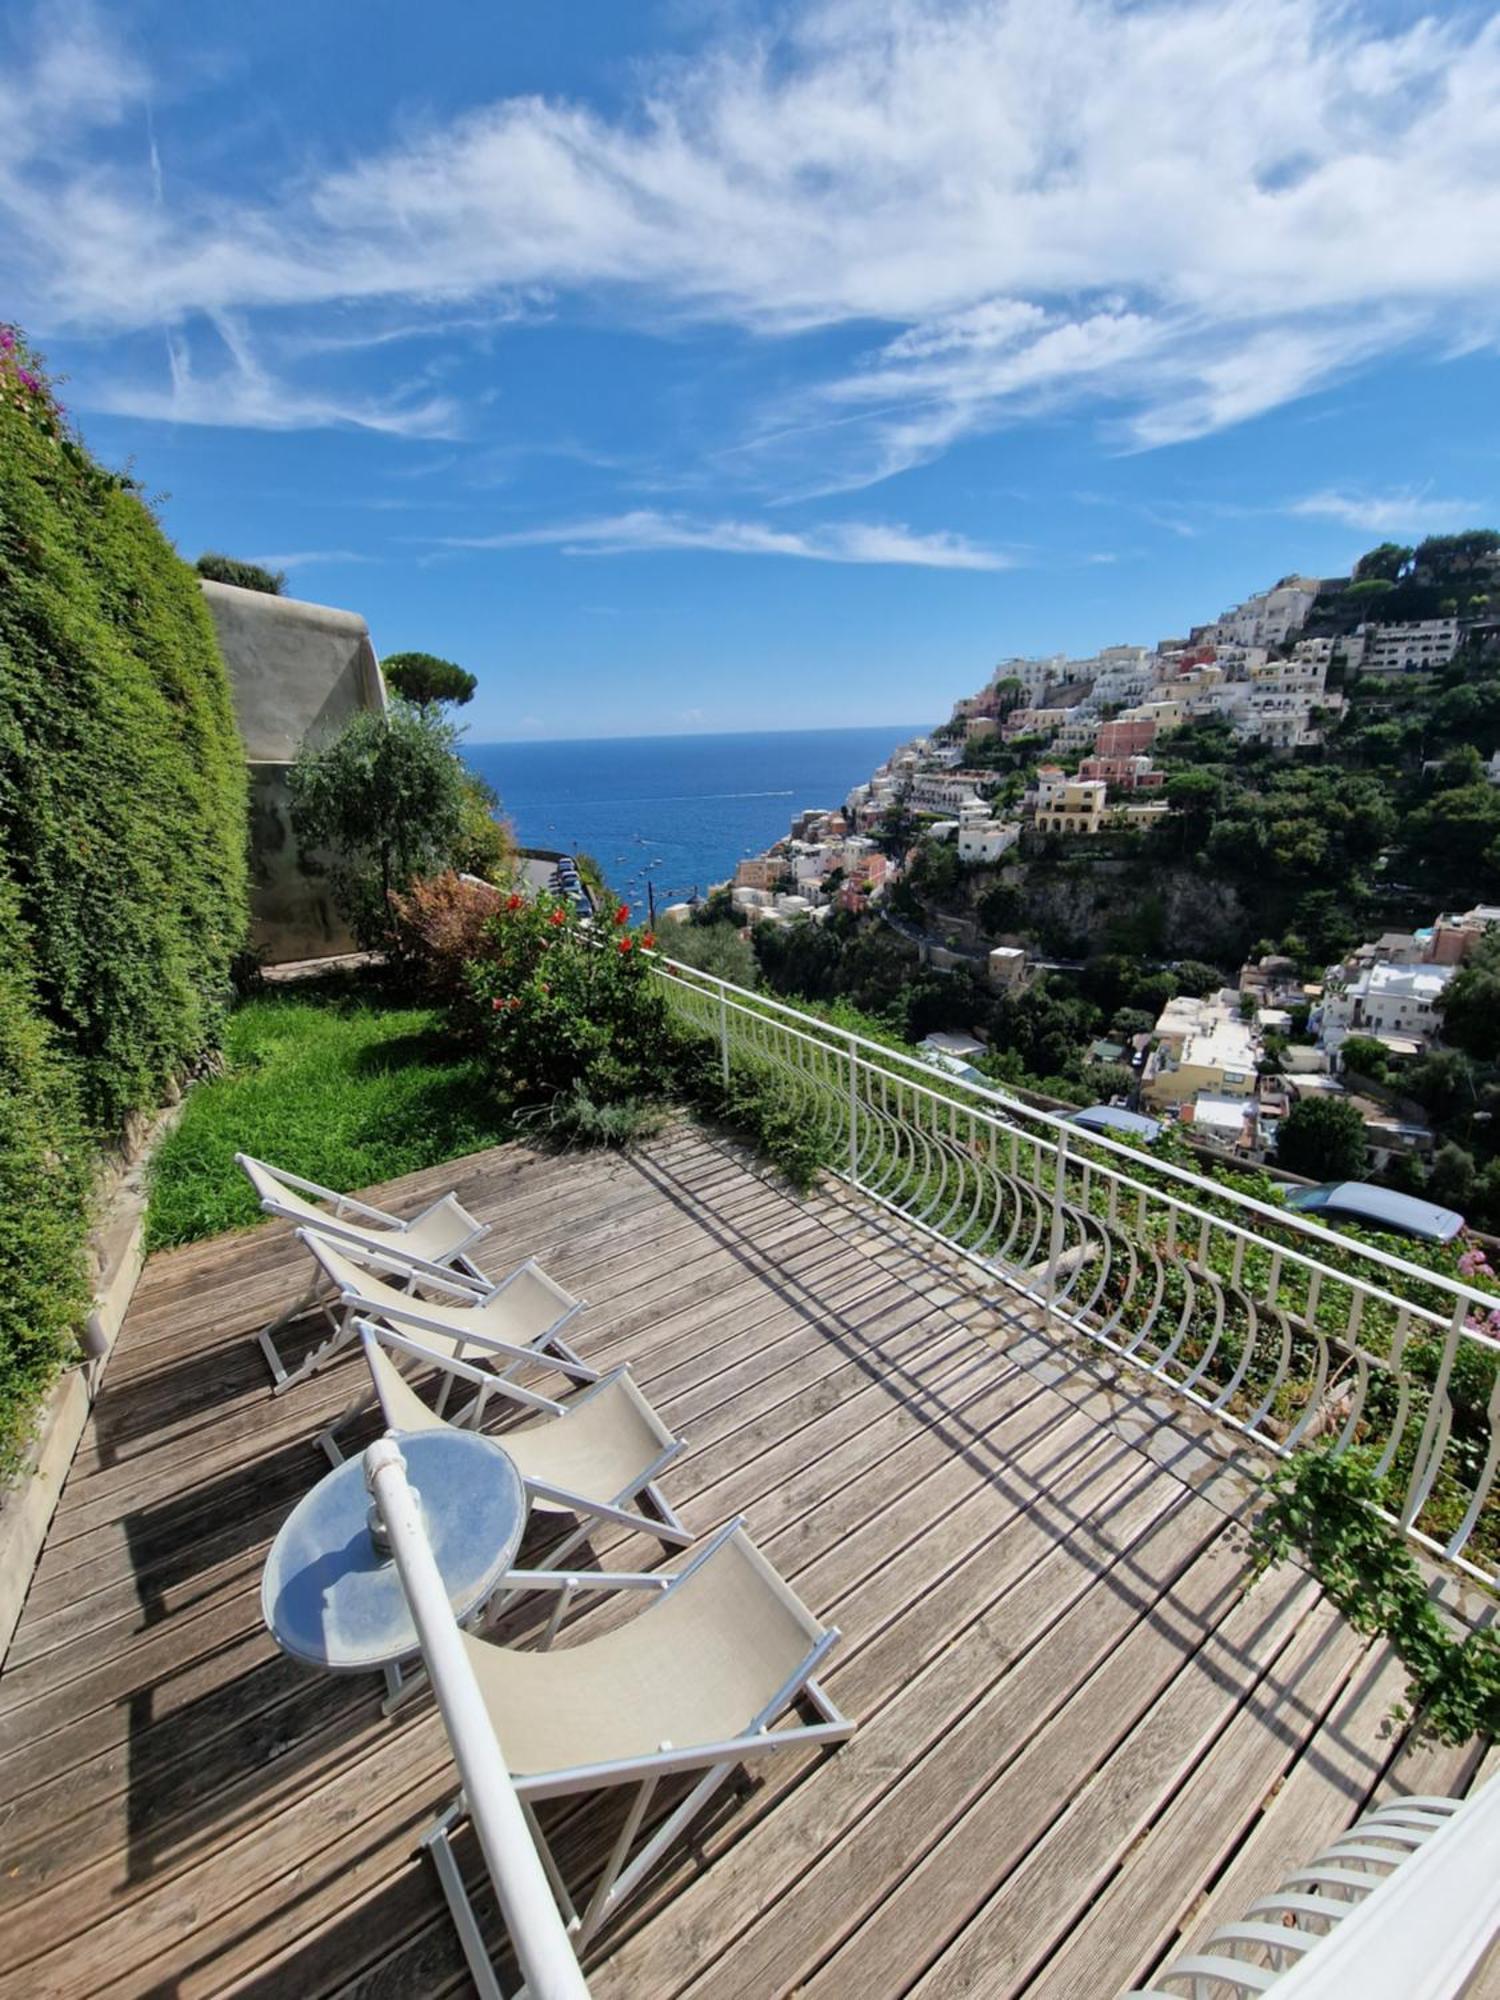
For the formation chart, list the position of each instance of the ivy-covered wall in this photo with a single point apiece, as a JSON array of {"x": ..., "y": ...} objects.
[{"x": 122, "y": 833}]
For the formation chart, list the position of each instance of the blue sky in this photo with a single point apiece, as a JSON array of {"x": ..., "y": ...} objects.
[{"x": 683, "y": 366}]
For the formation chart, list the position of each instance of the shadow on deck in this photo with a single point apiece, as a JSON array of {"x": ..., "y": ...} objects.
[{"x": 1080, "y": 1740}]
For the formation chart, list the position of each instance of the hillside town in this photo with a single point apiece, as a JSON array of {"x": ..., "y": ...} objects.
[{"x": 1064, "y": 757}]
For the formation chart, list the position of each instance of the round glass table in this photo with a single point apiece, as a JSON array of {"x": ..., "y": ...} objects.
[{"x": 332, "y": 1595}]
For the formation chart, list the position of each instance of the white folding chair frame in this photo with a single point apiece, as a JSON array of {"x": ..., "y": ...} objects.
[
  {"x": 623, "y": 1872},
  {"x": 342, "y": 1306},
  {"x": 621, "y": 1510}
]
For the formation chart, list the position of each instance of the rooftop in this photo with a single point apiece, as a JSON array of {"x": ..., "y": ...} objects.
[{"x": 1079, "y": 1742}]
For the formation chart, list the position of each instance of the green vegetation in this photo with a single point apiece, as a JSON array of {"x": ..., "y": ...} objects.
[
  {"x": 344, "y": 1082},
  {"x": 1323, "y": 1138},
  {"x": 122, "y": 780},
  {"x": 122, "y": 851},
  {"x": 246, "y": 575},
  {"x": 387, "y": 794},
  {"x": 44, "y": 1175},
  {"x": 1323, "y": 1505},
  {"x": 426, "y": 680}
]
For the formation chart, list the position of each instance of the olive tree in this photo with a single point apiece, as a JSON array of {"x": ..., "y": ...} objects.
[{"x": 385, "y": 794}]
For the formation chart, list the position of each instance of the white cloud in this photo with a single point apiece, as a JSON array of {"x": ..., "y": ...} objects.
[
  {"x": 1185, "y": 214},
  {"x": 304, "y": 558},
  {"x": 644, "y": 530},
  {"x": 1404, "y": 513},
  {"x": 241, "y": 393}
]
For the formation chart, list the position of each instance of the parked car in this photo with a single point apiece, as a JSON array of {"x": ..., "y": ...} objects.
[
  {"x": 1116, "y": 1123},
  {"x": 1377, "y": 1208}
]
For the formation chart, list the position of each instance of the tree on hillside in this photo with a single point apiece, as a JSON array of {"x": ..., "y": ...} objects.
[
  {"x": 1470, "y": 1003},
  {"x": 244, "y": 575},
  {"x": 1455, "y": 830},
  {"x": 1387, "y": 563},
  {"x": 1452, "y": 1178},
  {"x": 1323, "y": 1138},
  {"x": 1196, "y": 978},
  {"x": 1442, "y": 557},
  {"x": 386, "y": 795},
  {"x": 427, "y": 680}
]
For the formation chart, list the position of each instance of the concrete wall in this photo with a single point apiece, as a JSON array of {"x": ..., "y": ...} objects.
[{"x": 295, "y": 670}]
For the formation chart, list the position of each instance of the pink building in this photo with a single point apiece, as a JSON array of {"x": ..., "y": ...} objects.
[
  {"x": 1124, "y": 739},
  {"x": 1124, "y": 774}
]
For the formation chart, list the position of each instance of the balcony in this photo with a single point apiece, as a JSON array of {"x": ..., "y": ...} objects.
[{"x": 980, "y": 1398}]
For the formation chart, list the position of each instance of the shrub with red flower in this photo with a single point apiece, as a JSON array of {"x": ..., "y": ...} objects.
[
  {"x": 622, "y": 914},
  {"x": 560, "y": 1008}
]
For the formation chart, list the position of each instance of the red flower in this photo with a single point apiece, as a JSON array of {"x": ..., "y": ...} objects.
[
  {"x": 558, "y": 917},
  {"x": 648, "y": 939},
  {"x": 513, "y": 902},
  {"x": 622, "y": 915},
  {"x": 625, "y": 944},
  {"x": 515, "y": 1004},
  {"x": 496, "y": 1005}
]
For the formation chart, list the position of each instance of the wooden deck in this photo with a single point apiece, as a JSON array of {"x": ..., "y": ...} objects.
[{"x": 1079, "y": 1741}]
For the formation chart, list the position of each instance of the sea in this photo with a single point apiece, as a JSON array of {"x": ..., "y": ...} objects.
[{"x": 676, "y": 812}]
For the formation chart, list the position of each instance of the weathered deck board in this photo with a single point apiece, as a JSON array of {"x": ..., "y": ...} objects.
[{"x": 1078, "y": 1744}]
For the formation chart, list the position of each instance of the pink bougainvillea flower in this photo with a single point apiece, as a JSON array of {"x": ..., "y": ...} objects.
[
  {"x": 625, "y": 944},
  {"x": 7, "y": 340},
  {"x": 622, "y": 915},
  {"x": 27, "y": 380}
]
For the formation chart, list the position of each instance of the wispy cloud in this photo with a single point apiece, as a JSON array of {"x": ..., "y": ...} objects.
[
  {"x": 305, "y": 558},
  {"x": 644, "y": 530},
  {"x": 240, "y": 392},
  {"x": 1023, "y": 196},
  {"x": 1412, "y": 511}
]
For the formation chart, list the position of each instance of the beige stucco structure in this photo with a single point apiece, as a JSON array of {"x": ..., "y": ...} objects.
[{"x": 295, "y": 670}]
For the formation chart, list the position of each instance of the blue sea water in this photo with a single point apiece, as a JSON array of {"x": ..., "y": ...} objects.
[{"x": 678, "y": 811}]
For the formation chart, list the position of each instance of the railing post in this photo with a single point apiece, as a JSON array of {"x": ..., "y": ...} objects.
[
  {"x": 853, "y": 1115},
  {"x": 543, "y": 1947},
  {"x": 1055, "y": 1240},
  {"x": 724, "y": 1035}
]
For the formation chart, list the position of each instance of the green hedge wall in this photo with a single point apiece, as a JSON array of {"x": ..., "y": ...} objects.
[
  {"x": 122, "y": 808},
  {"x": 44, "y": 1183}
]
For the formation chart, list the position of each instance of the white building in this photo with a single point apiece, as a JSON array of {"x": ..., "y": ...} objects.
[
  {"x": 1420, "y": 647},
  {"x": 932, "y": 792},
  {"x": 1270, "y": 618},
  {"x": 986, "y": 839},
  {"x": 1385, "y": 999}
]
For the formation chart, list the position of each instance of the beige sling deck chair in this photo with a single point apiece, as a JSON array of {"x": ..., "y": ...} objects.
[
  {"x": 507, "y": 1327},
  {"x": 693, "y": 1683},
  {"x": 434, "y": 1243},
  {"x": 598, "y": 1461}
]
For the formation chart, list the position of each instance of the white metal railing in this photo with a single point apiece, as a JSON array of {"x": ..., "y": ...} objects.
[
  {"x": 544, "y": 1950},
  {"x": 1282, "y": 1330}
]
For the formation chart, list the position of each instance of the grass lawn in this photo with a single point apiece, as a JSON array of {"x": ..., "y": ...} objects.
[{"x": 336, "y": 1082}]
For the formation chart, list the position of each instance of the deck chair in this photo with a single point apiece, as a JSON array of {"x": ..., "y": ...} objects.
[
  {"x": 693, "y": 1683},
  {"x": 435, "y": 1242},
  {"x": 504, "y": 1327},
  {"x": 598, "y": 1460}
]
